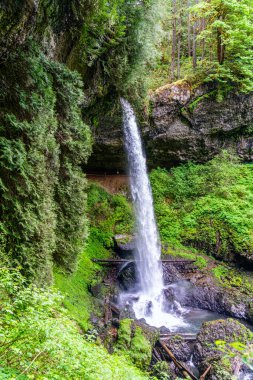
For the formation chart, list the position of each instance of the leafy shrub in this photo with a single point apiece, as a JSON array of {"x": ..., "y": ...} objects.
[
  {"x": 39, "y": 340},
  {"x": 108, "y": 215},
  {"x": 207, "y": 206}
]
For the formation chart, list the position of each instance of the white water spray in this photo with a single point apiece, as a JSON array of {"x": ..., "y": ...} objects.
[
  {"x": 147, "y": 241},
  {"x": 148, "y": 249}
]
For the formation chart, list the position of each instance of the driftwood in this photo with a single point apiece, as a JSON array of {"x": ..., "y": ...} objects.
[
  {"x": 182, "y": 368},
  {"x": 203, "y": 376},
  {"x": 156, "y": 354}
]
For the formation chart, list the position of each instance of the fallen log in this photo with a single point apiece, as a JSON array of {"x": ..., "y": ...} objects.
[
  {"x": 124, "y": 261},
  {"x": 114, "y": 308},
  {"x": 157, "y": 355},
  {"x": 203, "y": 376},
  {"x": 182, "y": 368}
]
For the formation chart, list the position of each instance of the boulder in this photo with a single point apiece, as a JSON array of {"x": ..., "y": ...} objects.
[
  {"x": 208, "y": 349},
  {"x": 127, "y": 277},
  {"x": 124, "y": 246}
]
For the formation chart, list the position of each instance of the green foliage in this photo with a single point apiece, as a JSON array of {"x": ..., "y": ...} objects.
[
  {"x": 207, "y": 206},
  {"x": 120, "y": 38},
  {"x": 132, "y": 342},
  {"x": 230, "y": 277},
  {"x": 43, "y": 144},
  {"x": 38, "y": 339},
  {"x": 141, "y": 350},
  {"x": 161, "y": 370},
  {"x": 124, "y": 334},
  {"x": 187, "y": 254},
  {"x": 229, "y": 26},
  {"x": 108, "y": 215},
  {"x": 75, "y": 287}
]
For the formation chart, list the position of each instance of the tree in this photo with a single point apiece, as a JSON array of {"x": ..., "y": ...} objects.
[{"x": 228, "y": 30}]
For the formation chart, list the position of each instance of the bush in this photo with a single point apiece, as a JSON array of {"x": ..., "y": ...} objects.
[
  {"x": 38, "y": 339},
  {"x": 207, "y": 206}
]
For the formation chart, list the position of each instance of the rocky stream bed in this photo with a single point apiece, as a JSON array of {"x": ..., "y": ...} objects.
[{"x": 217, "y": 319}]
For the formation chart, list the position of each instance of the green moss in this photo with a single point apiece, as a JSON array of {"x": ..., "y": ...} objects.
[
  {"x": 75, "y": 287},
  {"x": 124, "y": 334},
  {"x": 131, "y": 340},
  {"x": 140, "y": 350},
  {"x": 208, "y": 207},
  {"x": 199, "y": 99},
  {"x": 188, "y": 254},
  {"x": 232, "y": 278}
]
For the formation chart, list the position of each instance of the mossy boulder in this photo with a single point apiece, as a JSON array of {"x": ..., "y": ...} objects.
[
  {"x": 136, "y": 340},
  {"x": 209, "y": 350}
]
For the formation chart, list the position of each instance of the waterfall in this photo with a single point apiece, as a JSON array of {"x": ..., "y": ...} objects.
[
  {"x": 148, "y": 250},
  {"x": 147, "y": 241}
]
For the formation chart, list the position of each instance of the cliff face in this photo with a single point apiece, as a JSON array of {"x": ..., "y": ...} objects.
[
  {"x": 193, "y": 125},
  {"x": 184, "y": 125}
]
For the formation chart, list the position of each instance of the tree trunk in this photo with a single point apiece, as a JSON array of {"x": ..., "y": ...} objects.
[
  {"x": 194, "y": 43},
  {"x": 189, "y": 28},
  {"x": 220, "y": 47},
  {"x": 203, "y": 43},
  {"x": 174, "y": 40},
  {"x": 179, "y": 46}
]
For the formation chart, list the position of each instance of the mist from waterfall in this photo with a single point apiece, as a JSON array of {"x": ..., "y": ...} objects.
[{"x": 148, "y": 248}]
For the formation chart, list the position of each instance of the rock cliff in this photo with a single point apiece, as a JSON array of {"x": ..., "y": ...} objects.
[{"x": 184, "y": 124}]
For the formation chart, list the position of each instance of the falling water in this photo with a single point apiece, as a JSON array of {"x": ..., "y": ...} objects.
[
  {"x": 147, "y": 241},
  {"x": 148, "y": 249}
]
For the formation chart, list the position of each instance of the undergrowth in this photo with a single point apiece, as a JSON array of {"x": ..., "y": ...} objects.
[
  {"x": 39, "y": 340},
  {"x": 208, "y": 207},
  {"x": 108, "y": 215}
]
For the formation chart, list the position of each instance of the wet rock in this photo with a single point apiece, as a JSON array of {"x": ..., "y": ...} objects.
[
  {"x": 193, "y": 125},
  {"x": 124, "y": 246},
  {"x": 206, "y": 351},
  {"x": 186, "y": 124},
  {"x": 127, "y": 277},
  {"x": 169, "y": 295},
  {"x": 96, "y": 290},
  {"x": 127, "y": 311},
  {"x": 170, "y": 274},
  {"x": 228, "y": 330},
  {"x": 164, "y": 330},
  {"x": 180, "y": 348},
  {"x": 219, "y": 300}
]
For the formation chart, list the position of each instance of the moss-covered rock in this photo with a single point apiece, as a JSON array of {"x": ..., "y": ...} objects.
[
  {"x": 211, "y": 344},
  {"x": 137, "y": 341}
]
